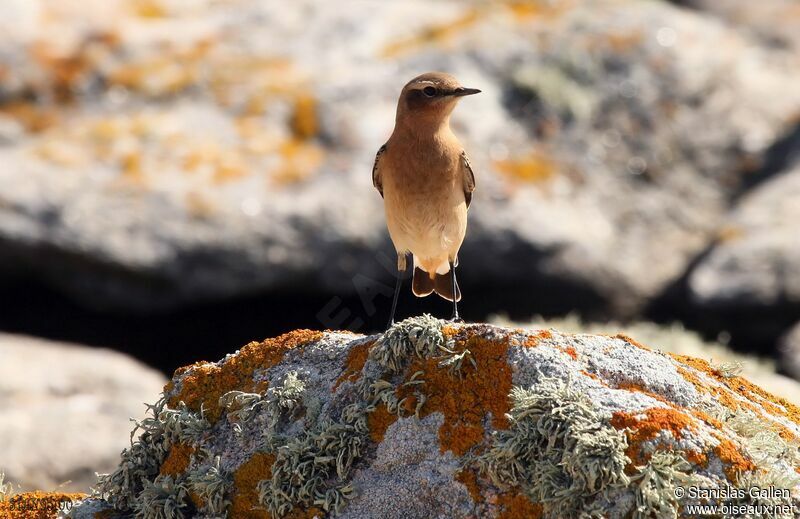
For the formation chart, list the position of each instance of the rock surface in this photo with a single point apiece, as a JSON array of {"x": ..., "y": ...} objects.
[
  {"x": 765, "y": 372},
  {"x": 434, "y": 419},
  {"x": 756, "y": 263},
  {"x": 751, "y": 277},
  {"x": 789, "y": 351},
  {"x": 775, "y": 23},
  {"x": 66, "y": 410},
  {"x": 177, "y": 153}
]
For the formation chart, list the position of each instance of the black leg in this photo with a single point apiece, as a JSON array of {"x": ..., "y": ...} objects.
[
  {"x": 401, "y": 272},
  {"x": 455, "y": 317}
]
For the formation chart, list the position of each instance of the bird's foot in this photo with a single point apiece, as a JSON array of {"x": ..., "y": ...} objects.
[{"x": 456, "y": 319}]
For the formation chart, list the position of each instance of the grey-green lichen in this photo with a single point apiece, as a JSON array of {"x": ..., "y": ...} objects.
[
  {"x": 6, "y": 489},
  {"x": 135, "y": 485},
  {"x": 314, "y": 468},
  {"x": 558, "y": 450},
  {"x": 727, "y": 369},
  {"x": 764, "y": 445},
  {"x": 656, "y": 483},
  {"x": 212, "y": 485},
  {"x": 165, "y": 497},
  {"x": 758, "y": 487},
  {"x": 421, "y": 336},
  {"x": 276, "y": 403}
]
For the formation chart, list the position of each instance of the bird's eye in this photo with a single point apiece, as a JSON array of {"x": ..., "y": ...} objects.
[{"x": 429, "y": 91}]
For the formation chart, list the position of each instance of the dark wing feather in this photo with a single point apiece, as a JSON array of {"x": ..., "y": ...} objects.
[
  {"x": 468, "y": 178},
  {"x": 377, "y": 179}
]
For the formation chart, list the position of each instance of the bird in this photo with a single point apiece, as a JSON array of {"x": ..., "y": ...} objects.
[{"x": 426, "y": 181}]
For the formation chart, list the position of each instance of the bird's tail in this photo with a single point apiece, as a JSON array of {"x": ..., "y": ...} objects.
[
  {"x": 422, "y": 285},
  {"x": 442, "y": 284}
]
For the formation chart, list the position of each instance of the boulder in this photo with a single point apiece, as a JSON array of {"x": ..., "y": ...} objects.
[
  {"x": 167, "y": 159},
  {"x": 438, "y": 419},
  {"x": 66, "y": 410},
  {"x": 775, "y": 22},
  {"x": 789, "y": 352},
  {"x": 750, "y": 277}
]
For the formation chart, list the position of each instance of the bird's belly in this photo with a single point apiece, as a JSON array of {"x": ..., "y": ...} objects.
[{"x": 427, "y": 226}]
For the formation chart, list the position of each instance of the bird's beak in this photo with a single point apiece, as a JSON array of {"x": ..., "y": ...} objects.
[{"x": 461, "y": 91}]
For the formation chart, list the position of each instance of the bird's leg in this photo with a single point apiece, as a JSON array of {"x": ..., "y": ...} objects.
[
  {"x": 456, "y": 317},
  {"x": 401, "y": 272}
]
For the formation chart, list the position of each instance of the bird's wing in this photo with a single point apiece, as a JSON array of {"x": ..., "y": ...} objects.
[
  {"x": 467, "y": 177},
  {"x": 377, "y": 178}
]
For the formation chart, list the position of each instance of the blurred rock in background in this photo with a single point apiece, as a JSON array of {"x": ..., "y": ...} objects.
[
  {"x": 633, "y": 159},
  {"x": 66, "y": 411}
]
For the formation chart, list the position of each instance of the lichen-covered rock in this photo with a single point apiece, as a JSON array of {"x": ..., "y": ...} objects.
[
  {"x": 675, "y": 338},
  {"x": 436, "y": 419}
]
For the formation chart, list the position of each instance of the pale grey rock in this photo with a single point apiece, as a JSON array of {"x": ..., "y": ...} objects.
[
  {"x": 66, "y": 410},
  {"x": 789, "y": 352},
  {"x": 409, "y": 467},
  {"x": 756, "y": 264},
  {"x": 629, "y": 123},
  {"x": 774, "y": 22}
]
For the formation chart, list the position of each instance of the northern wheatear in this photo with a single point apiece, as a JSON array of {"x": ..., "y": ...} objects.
[{"x": 426, "y": 183}]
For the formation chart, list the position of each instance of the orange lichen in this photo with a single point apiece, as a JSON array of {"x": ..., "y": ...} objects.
[
  {"x": 730, "y": 233},
  {"x": 569, "y": 350},
  {"x": 32, "y": 117},
  {"x": 593, "y": 376},
  {"x": 301, "y": 513},
  {"x": 713, "y": 422},
  {"x": 449, "y": 331},
  {"x": 148, "y": 9},
  {"x": 518, "y": 506},
  {"x": 356, "y": 358},
  {"x": 177, "y": 460},
  {"x": 631, "y": 341},
  {"x": 775, "y": 404},
  {"x": 37, "y": 504},
  {"x": 169, "y": 72},
  {"x": 470, "y": 480},
  {"x": 647, "y": 425},
  {"x": 204, "y": 383},
  {"x": 739, "y": 386},
  {"x": 733, "y": 461},
  {"x": 631, "y": 386},
  {"x": 244, "y": 503},
  {"x": 378, "y": 421},
  {"x": 698, "y": 458},
  {"x": 304, "y": 123},
  {"x": 196, "y": 500},
  {"x": 524, "y": 9},
  {"x": 532, "y": 339},
  {"x": 300, "y": 159},
  {"x": 465, "y": 402},
  {"x": 534, "y": 168},
  {"x": 433, "y": 34}
]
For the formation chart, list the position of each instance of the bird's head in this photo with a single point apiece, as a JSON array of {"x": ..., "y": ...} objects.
[{"x": 430, "y": 98}]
